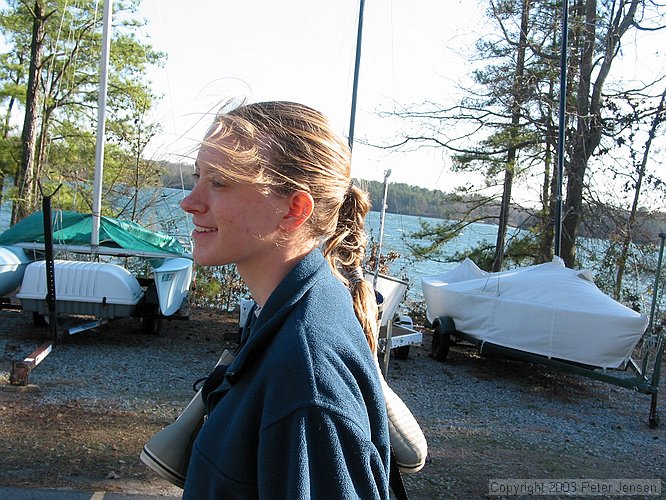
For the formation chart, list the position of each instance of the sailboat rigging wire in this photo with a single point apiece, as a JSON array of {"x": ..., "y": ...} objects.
[
  {"x": 188, "y": 227},
  {"x": 47, "y": 85},
  {"x": 54, "y": 50},
  {"x": 166, "y": 71},
  {"x": 393, "y": 63}
]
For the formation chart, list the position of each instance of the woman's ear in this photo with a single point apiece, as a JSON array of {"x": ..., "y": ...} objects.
[{"x": 300, "y": 209}]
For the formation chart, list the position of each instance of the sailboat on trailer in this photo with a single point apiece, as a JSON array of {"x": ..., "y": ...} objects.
[
  {"x": 101, "y": 289},
  {"x": 548, "y": 314}
]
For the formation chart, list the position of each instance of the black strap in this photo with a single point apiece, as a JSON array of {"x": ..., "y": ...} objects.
[
  {"x": 395, "y": 479},
  {"x": 213, "y": 381}
]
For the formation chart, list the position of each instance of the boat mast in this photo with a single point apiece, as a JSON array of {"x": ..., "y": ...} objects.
[
  {"x": 357, "y": 67},
  {"x": 352, "y": 122},
  {"x": 562, "y": 124},
  {"x": 101, "y": 124},
  {"x": 382, "y": 214}
]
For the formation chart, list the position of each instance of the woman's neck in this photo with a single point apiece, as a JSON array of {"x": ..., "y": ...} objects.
[{"x": 263, "y": 279}]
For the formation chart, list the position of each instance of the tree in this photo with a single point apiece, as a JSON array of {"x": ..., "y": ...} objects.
[
  {"x": 26, "y": 180},
  {"x": 516, "y": 104},
  {"x": 508, "y": 119},
  {"x": 63, "y": 107},
  {"x": 598, "y": 29},
  {"x": 505, "y": 115},
  {"x": 635, "y": 181}
]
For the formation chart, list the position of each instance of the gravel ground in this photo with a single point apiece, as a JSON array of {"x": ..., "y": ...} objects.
[
  {"x": 488, "y": 418},
  {"x": 102, "y": 394}
]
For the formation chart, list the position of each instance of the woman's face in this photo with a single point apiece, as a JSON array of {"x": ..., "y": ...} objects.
[{"x": 234, "y": 222}]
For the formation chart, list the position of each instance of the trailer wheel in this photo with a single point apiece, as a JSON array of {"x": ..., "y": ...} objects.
[
  {"x": 401, "y": 352},
  {"x": 39, "y": 319},
  {"x": 151, "y": 321},
  {"x": 441, "y": 340}
]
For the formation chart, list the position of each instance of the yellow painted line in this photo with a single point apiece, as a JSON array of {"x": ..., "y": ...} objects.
[{"x": 98, "y": 495}]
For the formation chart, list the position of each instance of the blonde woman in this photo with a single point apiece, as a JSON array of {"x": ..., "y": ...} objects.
[{"x": 300, "y": 412}]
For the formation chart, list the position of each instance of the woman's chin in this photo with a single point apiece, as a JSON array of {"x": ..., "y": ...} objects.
[{"x": 202, "y": 258}]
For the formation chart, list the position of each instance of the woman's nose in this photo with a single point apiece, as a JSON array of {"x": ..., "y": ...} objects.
[{"x": 189, "y": 203}]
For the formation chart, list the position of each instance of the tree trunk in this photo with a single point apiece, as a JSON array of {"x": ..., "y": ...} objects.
[
  {"x": 25, "y": 179},
  {"x": 42, "y": 147},
  {"x": 546, "y": 227},
  {"x": 626, "y": 240},
  {"x": 504, "y": 214},
  {"x": 589, "y": 124}
]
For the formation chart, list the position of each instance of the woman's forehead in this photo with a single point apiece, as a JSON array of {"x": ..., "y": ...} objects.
[{"x": 211, "y": 154}]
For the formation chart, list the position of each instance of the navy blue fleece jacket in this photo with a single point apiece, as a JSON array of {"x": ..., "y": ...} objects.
[{"x": 300, "y": 412}]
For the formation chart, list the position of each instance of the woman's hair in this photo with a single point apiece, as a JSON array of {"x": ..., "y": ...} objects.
[{"x": 282, "y": 147}]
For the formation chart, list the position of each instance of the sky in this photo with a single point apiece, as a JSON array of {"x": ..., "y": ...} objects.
[{"x": 303, "y": 50}]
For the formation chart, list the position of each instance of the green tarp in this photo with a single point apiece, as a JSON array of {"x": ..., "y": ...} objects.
[{"x": 73, "y": 228}]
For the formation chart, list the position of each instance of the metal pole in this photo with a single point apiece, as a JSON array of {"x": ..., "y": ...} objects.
[
  {"x": 562, "y": 125},
  {"x": 50, "y": 269},
  {"x": 49, "y": 263},
  {"x": 101, "y": 124},
  {"x": 655, "y": 292},
  {"x": 382, "y": 213},
  {"x": 357, "y": 67}
]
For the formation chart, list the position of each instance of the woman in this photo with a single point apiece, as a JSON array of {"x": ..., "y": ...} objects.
[{"x": 299, "y": 413}]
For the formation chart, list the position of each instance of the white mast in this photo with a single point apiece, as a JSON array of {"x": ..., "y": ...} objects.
[
  {"x": 101, "y": 124},
  {"x": 382, "y": 214}
]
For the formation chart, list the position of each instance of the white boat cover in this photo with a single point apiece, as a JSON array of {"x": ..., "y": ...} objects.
[
  {"x": 97, "y": 289},
  {"x": 547, "y": 309},
  {"x": 392, "y": 291}
]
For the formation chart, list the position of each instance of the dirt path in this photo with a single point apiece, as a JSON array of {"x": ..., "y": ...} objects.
[{"x": 104, "y": 393}]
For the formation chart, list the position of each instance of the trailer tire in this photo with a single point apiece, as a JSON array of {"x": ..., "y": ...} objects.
[
  {"x": 39, "y": 319},
  {"x": 441, "y": 340},
  {"x": 151, "y": 322},
  {"x": 401, "y": 352}
]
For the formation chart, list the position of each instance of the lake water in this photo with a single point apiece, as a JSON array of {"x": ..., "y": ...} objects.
[
  {"x": 397, "y": 229},
  {"x": 166, "y": 215}
]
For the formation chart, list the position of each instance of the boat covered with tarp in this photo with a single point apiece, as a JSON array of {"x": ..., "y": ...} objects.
[
  {"x": 73, "y": 229},
  {"x": 105, "y": 290},
  {"x": 546, "y": 309}
]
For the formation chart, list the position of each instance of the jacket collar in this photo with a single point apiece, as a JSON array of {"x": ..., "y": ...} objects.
[{"x": 260, "y": 330}]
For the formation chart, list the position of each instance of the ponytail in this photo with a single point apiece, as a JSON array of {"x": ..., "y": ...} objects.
[{"x": 345, "y": 251}]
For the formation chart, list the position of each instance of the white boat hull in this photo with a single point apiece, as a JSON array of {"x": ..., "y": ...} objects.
[
  {"x": 13, "y": 261},
  {"x": 96, "y": 289},
  {"x": 547, "y": 309},
  {"x": 172, "y": 280}
]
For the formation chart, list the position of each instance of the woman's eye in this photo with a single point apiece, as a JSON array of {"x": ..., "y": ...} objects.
[{"x": 216, "y": 183}]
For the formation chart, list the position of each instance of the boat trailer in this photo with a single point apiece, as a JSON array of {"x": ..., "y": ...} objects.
[
  {"x": 640, "y": 379},
  {"x": 76, "y": 320}
]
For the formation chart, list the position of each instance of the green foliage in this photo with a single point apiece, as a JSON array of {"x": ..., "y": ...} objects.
[
  {"x": 437, "y": 235},
  {"x": 10, "y": 152},
  {"x": 70, "y": 75},
  {"x": 218, "y": 287}
]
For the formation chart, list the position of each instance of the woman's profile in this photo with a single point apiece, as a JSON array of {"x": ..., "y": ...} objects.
[{"x": 300, "y": 412}]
